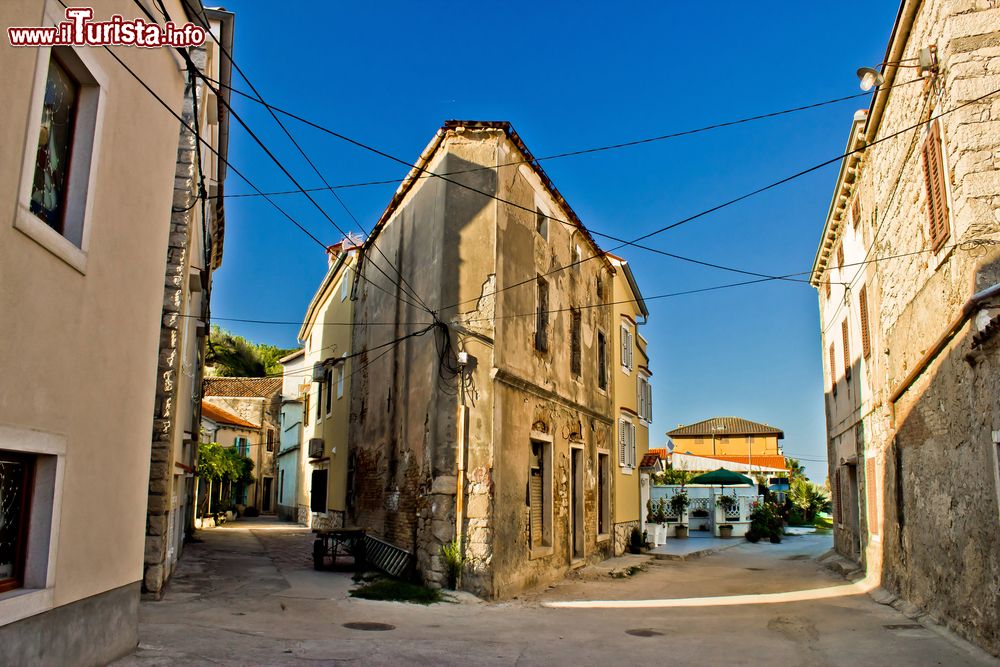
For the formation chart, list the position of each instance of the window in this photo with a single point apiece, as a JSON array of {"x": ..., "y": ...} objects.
[
  {"x": 644, "y": 399},
  {"x": 575, "y": 342},
  {"x": 317, "y": 492},
  {"x": 319, "y": 398},
  {"x": 856, "y": 211},
  {"x": 934, "y": 185},
  {"x": 599, "y": 288},
  {"x": 541, "y": 223},
  {"x": 833, "y": 369},
  {"x": 540, "y": 493},
  {"x": 242, "y": 445},
  {"x": 57, "y": 160},
  {"x": 602, "y": 361},
  {"x": 55, "y": 144},
  {"x": 16, "y": 482},
  {"x": 305, "y": 408},
  {"x": 626, "y": 443},
  {"x": 603, "y": 493},
  {"x": 328, "y": 381},
  {"x": 343, "y": 286},
  {"x": 340, "y": 379},
  {"x": 542, "y": 316},
  {"x": 627, "y": 345},
  {"x": 866, "y": 343},
  {"x": 270, "y": 439},
  {"x": 281, "y": 487},
  {"x": 847, "y": 349}
]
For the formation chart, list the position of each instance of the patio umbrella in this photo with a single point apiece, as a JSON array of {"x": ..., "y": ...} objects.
[{"x": 721, "y": 477}]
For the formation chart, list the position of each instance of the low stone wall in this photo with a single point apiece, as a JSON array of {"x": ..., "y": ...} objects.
[
  {"x": 623, "y": 534},
  {"x": 327, "y": 521}
]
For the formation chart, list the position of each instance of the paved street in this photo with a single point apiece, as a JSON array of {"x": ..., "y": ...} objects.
[{"x": 247, "y": 595}]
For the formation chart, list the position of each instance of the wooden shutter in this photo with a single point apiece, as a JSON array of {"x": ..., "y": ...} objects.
[
  {"x": 640, "y": 396},
  {"x": 622, "y": 443},
  {"x": 826, "y": 280},
  {"x": 840, "y": 255},
  {"x": 575, "y": 346},
  {"x": 856, "y": 211},
  {"x": 631, "y": 444},
  {"x": 871, "y": 496},
  {"x": 833, "y": 367},
  {"x": 535, "y": 499},
  {"x": 624, "y": 346},
  {"x": 649, "y": 402},
  {"x": 602, "y": 361},
  {"x": 628, "y": 347},
  {"x": 847, "y": 348},
  {"x": 866, "y": 343},
  {"x": 837, "y": 510},
  {"x": 934, "y": 184}
]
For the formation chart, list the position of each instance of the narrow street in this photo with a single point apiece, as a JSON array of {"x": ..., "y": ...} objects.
[{"x": 247, "y": 595}]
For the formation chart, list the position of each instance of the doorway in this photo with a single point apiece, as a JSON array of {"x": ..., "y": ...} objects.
[
  {"x": 576, "y": 499},
  {"x": 265, "y": 502}
]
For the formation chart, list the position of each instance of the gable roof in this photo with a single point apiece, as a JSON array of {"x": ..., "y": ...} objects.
[
  {"x": 726, "y": 426},
  {"x": 240, "y": 387},
  {"x": 419, "y": 170},
  {"x": 223, "y": 416}
]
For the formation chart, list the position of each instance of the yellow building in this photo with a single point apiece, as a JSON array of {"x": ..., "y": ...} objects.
[
  {"x": 633, "y": 397},
  {"x": 326, "y": 337},
  {"x": 727, "y": 436}
]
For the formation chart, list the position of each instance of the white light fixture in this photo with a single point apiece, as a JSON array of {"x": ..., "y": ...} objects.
[{"x": 870, "y": 78}]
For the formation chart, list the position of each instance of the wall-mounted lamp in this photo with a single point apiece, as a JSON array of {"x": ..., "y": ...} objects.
[{"x": 926, "y": 65}]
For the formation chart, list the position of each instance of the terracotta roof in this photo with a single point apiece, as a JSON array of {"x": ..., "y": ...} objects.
[
  {"x": 241, "y": 387},
  {"x": 661, "y": 452},
  {"x": 222, "y": 416},
  {"x": 770, "y": 461},
  {"x": 650, "y": 460},
  {"x": 726, "y": 426}
]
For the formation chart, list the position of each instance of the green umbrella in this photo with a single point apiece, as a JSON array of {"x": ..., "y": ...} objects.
[{"x": 722, "y": 477}]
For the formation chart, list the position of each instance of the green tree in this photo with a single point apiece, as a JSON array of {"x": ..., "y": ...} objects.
[
  {"x": 224, "y": 466},
  {"x": 235, "y": 356},
  {"x": 809, "y": 498}
]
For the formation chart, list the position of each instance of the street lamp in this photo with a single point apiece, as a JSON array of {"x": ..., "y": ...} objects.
[{"x": 926, "y": 64}]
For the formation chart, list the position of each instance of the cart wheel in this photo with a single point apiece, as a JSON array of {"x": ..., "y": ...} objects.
[{"x": 319, "y": 555}]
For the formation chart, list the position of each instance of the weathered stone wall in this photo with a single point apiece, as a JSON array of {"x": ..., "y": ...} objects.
[
  {"x": 623, "y": 535},
  {"x": 927, "y": 463}
]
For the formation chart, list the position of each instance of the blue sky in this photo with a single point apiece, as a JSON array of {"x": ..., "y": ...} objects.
[{"x": 571, "y": 76}]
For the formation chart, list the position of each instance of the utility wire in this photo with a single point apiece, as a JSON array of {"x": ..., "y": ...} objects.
[
  {"x": 229, "y": 164},
  {"x": 222, "y": 99},
  {"x": 260, "y": 98}
]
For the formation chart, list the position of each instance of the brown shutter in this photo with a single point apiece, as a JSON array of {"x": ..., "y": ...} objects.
[
  {"x": 535, "y": 495},
  {"x": 833, "y": 367},
  {"x": 847, "y": 349},
  {"x": 542, "y": 316},
  {"x": 840, "y": 255},
  {"x": 871, "y": 496},
  {"x": 826, "y": 279},
  {"x": 575, "y": 345},
  {"x": 937, "y": 201},
  {"x": 837, "y": 509},
  {"x": 866, "y": 343},
  {"x": 856, "y": 211}
]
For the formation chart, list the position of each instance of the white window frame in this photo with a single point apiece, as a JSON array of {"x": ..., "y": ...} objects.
[
  {"x": 84, "y": 158},
  {"x": 626, "y": 347},
  {"x": 37, "y": 595},
  {"x": 644, "y": 398},
  {"x": 341, "y": 372}
]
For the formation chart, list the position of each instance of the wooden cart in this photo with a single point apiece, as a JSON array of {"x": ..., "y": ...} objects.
[{"x": 336, "y": 542}]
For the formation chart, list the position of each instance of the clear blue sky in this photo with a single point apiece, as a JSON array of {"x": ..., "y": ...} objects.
[{"x": 570, "y": 76}]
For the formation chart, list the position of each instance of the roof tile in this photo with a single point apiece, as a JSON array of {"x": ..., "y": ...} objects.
[{"x": 727, "y": 426}]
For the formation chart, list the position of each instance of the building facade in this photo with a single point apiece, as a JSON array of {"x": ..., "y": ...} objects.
[
  {"x": 326, "y": 339},
  {"x": 292, "y": 461},
  {"x": 633, "y": 395},
  {"x": 194, "y": 252},
  {"x": 491, "y": 422},
  {"x": 83, "y": 243},
  {"x": 907, "y": 270},
  {"x": 258, "y": 401},
  {"x": 724, "y": 436}
]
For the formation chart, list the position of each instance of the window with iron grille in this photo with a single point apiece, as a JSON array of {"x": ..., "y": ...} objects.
[
  {"x": 934, "y": 185},
  {"x": 542, "y": 316},
  {"x": 575, "y": 342},
  {"x": 16, "y": 481},
  {"x": 866, "y": 343}
]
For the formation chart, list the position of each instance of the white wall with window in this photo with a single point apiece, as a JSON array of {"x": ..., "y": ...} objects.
[{"x": 626, "y": 444}]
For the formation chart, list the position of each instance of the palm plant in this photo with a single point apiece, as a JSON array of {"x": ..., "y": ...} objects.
[{"x": 810, "y": 498}]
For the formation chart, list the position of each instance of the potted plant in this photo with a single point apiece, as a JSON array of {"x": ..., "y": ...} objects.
[
  {"x": 728, "y": 504},
  {"x": 725, "y": 530},
  {"x": 679, "y": 503}
]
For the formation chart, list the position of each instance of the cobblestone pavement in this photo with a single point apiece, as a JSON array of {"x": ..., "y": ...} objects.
[{"x": 247, "y": 595}]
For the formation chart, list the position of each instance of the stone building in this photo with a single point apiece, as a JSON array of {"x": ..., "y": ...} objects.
[
  {"x": 87, "y": 182},
  {"x": 197, "y": 227},
  {"x": 907, "y": 271},
  {"x": 258, "y": 401},
  {"x": 495, "y": 401}
]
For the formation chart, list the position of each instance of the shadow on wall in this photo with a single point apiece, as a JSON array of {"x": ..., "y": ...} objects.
[{"x": 940, "y": 491}]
